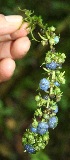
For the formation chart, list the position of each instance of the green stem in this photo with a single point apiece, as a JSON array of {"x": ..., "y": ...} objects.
[
  {"x": 51, "y": 90},
  {"x": 43, "y": 38},
  {"x": 52, "y": 80},
  {"x": 53, "y": 76},
  {"x": 48, "y": 102}
]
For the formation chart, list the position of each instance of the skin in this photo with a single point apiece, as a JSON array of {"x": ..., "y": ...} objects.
[{"x": 14, "y": 44}]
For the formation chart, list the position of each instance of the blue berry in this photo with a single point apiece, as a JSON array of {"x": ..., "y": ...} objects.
[
  {"x": 56, "y": 39},
  {"x": 52, "y": 65},
  {"x": 29, "y": 148},
  {"x": 53, "y": 122},
  {"x": 56, "y": 110},
  {"x": 26, "y": 147},
  {"x": 43, "y": 125},
  {"x": 44, "y": 84},
  {"x": 33, "y": 129},
  {"x": 57, "y": 84},
  {"x": 42, "y": 131},
  {"x": 42, "y": 128}
]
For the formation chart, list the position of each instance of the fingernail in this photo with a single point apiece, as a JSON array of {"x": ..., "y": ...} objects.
[
  {"x": 14, "y": 19},
  {"x": 28, "y": 30},
  {"x": 24, "y": 25}
]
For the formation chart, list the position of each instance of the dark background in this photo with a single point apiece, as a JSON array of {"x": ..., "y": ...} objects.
[{"x": 17, "y": 102}]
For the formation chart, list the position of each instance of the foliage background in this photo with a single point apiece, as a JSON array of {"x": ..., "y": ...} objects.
[{"x": 17, "y": 102}]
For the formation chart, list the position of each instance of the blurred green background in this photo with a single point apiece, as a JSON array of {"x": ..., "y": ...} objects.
[{"x": 17, "y": 102}]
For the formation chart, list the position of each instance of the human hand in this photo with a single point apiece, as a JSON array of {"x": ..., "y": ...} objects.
[{"x": 14, "y": 43}]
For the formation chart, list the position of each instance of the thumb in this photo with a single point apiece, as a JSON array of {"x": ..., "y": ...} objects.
[{"x": 9, "y": 24}]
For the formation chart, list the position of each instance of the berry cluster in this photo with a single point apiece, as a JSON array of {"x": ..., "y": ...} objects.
[{"x": 36, "y": 136}]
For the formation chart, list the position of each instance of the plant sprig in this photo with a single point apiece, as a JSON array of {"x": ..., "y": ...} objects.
[{"x": 36, "y": 136}]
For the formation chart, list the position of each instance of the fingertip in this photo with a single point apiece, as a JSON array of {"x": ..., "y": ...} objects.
[{"x": 7, "y": 67}]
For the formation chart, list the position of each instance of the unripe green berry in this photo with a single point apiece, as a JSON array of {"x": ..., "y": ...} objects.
[
  {"x": 51, "y": 41},
  {"x": 35, "y": 123},
  {"x": 41, "y": 145},
  {"x": 46, "y": 137},
  {"x": 52, "y": 29},
  {"x": 46, "y": 116},
  {"x": 38, "y": 112},
  {"x": 37, "y": 98}
]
